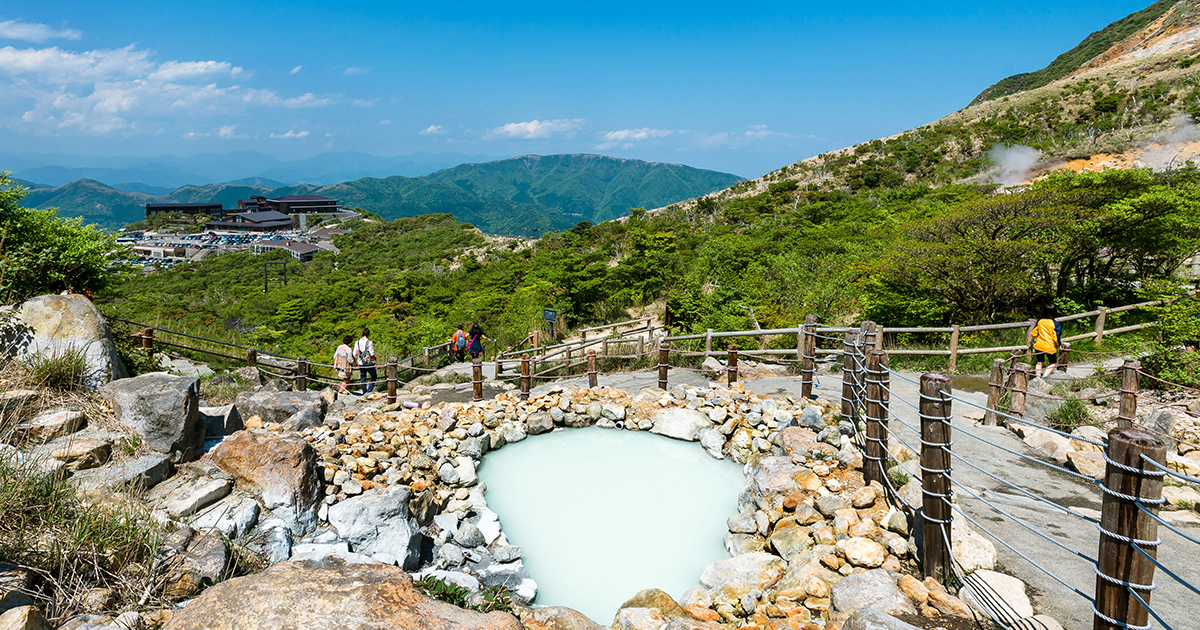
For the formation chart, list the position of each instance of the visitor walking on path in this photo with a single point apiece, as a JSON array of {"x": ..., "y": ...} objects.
[
  {"x": 364, "y": 356},
  {"x": 1046, "y": 335},
  {"x": 475, "y": 346},
  {"x": 458, "y": 345},
  {"x": 343, "y": 362}
]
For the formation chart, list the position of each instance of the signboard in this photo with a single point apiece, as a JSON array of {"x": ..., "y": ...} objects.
[{"x": 550, "y": 315}]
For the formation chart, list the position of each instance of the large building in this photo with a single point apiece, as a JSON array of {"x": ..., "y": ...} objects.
[
  {"x": 267, "y": 221},
  {"x": 212, "y": 209},
  {"x": 291, "y": 204}
]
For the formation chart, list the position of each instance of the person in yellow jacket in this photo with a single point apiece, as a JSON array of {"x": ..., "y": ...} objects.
[{"x": 1046, "y": 335}]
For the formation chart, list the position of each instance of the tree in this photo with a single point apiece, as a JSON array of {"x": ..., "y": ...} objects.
[{"x": 41, "y": 252}]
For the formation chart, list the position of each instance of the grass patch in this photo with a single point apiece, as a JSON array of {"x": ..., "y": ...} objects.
[
  {"x": 1069, "y": 416},
  {"x": 69, "y": 545},
  {"x": 61, "y": 370},
  {"x": 218, "y": 394},
  {"x": 491, "y": 599}
]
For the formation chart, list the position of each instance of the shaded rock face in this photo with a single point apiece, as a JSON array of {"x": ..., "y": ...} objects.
[
  {"x": 141, "y": 473},
  {"x": 331, "y": 596},
  {"x": 163, "y": 410},
  {"x": 283, "y": 466},
  {"x": 52, "y": 325},
  {"x": 278, "y": 407}
]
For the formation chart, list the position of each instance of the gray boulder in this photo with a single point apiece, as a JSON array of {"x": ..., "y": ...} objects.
[
  {"x": 140, "y": 473},
  {"x": 303, "y": 419},
  {"x": 871, "y": 619},
  {"x": 278, "y": 407},
  {"x": 539, "y": 423},
  {"x": 163, "y": 410},
  {"x": 52, "y": 325},
  {"x": 379, "y": 522},
  {"x": 50, "y": 425},
  {"x": 221, "y": 421},
  {"x": 873, "y": 589}
]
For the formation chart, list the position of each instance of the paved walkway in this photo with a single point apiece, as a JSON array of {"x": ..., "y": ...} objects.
[{"x": 1173, "y": 602}]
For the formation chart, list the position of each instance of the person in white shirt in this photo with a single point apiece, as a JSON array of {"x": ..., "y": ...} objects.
[{"x": 364, "y": 356}]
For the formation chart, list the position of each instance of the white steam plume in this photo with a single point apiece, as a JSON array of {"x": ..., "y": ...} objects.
[
  {"x": 1166, "y": 149},
  {"x": 1015, "y": 163}
]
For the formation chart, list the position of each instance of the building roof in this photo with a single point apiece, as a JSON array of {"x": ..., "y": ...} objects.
[
  {"x": 303, "y": 198},
  {"x": 295, "y": 246},
  {"x": 264, "y": 216},
  {"x": 150, "y": 204}
]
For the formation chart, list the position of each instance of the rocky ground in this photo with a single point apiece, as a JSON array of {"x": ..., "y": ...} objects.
[{"x": 332, "y": 506}]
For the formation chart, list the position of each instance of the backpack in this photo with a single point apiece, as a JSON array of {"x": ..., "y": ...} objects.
[{"x": 460, "y": 340}]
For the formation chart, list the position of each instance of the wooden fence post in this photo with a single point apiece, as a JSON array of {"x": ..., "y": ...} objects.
[
  {"x": 1100, "y": 325},
  {"x": 604, "y": 347},
  {"x": 1120, "y": 567},
  {"x": 641, "y": 346},
  {"x": 868, "y": 331},
  {"x": 708, "y": 343},
  {"x": 849, "y": 361},
  {"x": 1064, "y": 356},
  {"x": 1129, "y": 391},
  {"x": 301, "y": 373},
  {"x": 252, "y": 357},
  {"x": 524, "y": 377},
  {"x": 953, "y": 347},
  {"x": 1019, "y": 388},
  {"x": 995, "y": 383},
  {"x": 875, "y": 455},
  {"x": 732, "y": 365},
  {"x": 499, "y": 365},
  {"x": 808, "y": 357},
  {"x": 477, "y": 379},
  {"x": 391, "y": 381},
  {"x": 664, "y": 358},
  {"x": 591, "y": 368},
  {"x": 567, "y": 365},
  {"x": 425, "y": 357},
  {"x": 935, "y": 475},
  {"x": 148, "y": 340},
  {"x": 1029, "y": 339}
]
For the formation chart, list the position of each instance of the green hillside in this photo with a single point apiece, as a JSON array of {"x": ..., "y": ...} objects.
[
  {"x": 515, "y": 196},
  {"x": 1088, "y": 49}
]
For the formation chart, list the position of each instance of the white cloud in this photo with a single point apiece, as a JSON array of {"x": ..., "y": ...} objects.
[
  {"x": 761, "y": 131},
  {"x": 295, "y": 70},
  {"x": 535, "y": 129},
  {"x": 290, "y": 134},
  {"x": 358, "y": 102},
  {"x": 625, "y": 135},
  {"x": 226, "y": 131},
  {"x": 385, "y": 122},
  {"x": 34, "y": 32},
  {"x": 270, "y": 98},
  {"x": 356, "y": 70},
  {"x": 104, "y": 91},
  {"x": 177, "y": 70},
  {"x": 432, "y": 130}
]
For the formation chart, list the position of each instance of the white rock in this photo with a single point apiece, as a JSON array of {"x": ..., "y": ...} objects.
[
  {"x": 972, "y": 550},
  {"x": 1003, "y": 596},
  {"x": 192, "y": 497},
  {"x": 681, "y": 424}
]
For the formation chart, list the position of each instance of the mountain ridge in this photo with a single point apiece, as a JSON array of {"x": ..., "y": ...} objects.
[{"x": 523, "y": 195}]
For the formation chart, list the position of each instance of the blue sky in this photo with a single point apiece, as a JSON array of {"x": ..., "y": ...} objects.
[{"x": 743, "y": 87}]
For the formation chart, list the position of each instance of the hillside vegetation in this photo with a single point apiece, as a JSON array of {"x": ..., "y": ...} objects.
[
  {"x": 1071, "y": 60},
  {"x": 518, "y": 196}
]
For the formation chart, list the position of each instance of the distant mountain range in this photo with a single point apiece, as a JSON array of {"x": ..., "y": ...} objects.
[
  {"x": 517, "y": 196},
  {"x": 161, "y": 175}
]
